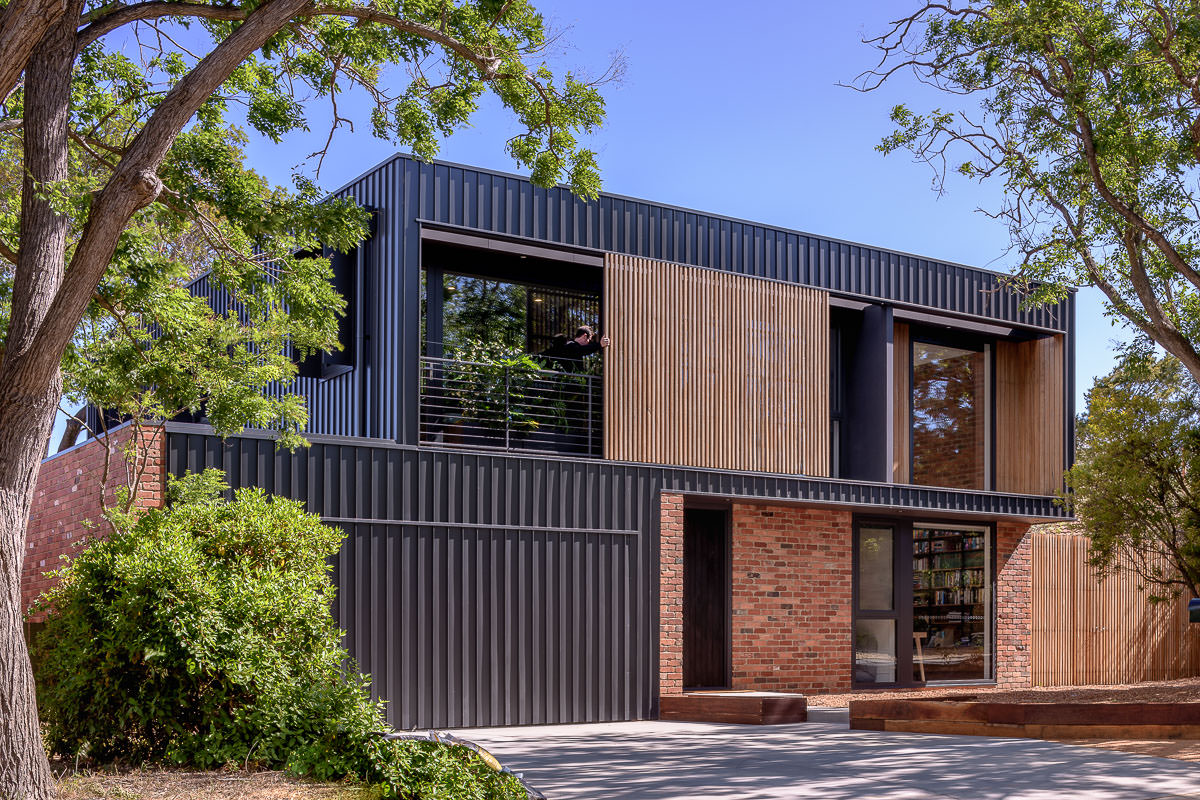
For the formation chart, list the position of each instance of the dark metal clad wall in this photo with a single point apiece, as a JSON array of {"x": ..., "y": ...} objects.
[
  {"x": 508, "y": 205},
  {"x": 505, "y": 204},
  {"x": 482, "y": 589},
  {"x": 379, "y": 397},
  {"x": 501, "y": 592}
]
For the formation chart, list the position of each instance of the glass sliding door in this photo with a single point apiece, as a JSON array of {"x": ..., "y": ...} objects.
[{"x": 951, "y": 603}]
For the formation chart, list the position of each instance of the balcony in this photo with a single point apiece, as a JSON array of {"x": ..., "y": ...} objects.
[{"x": 510, "y": 407}]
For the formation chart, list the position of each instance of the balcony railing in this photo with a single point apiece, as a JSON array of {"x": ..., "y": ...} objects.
[{"x": 514, "y": 408}]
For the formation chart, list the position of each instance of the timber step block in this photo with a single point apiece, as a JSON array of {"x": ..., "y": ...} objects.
[
  {"x": 745, "y": 708},
  {"x": 1030, "y": 720}
]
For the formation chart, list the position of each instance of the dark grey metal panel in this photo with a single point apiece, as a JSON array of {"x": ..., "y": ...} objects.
[
  {"x": 484, "y": 589},
  {"x": 379, "y": 397},
  {"x": 490, "y": 591},
  {"x": 506, "y": 204},
  {"x": 867, "y": 424}
]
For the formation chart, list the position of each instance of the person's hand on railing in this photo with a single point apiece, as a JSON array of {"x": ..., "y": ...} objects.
[{"x": 605, "y": 341}]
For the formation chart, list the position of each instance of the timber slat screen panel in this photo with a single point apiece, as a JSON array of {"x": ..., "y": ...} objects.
[
  {"x": 901, "y": 399},
  {"x": 1087, "y": 631},
  {"x": 716, "y": 370},
  {"x": 1029, "y": 416}
]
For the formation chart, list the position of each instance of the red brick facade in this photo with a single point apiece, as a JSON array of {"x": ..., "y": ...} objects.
[
  {"x": 1014, "y": 614},
  {"x": 791, "y": 599},
  {"x": 67, "y": 501},
  {"x": 670, "y": 595}
]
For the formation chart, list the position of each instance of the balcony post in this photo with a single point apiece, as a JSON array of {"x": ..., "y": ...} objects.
[{"x": 507, "y": 417}]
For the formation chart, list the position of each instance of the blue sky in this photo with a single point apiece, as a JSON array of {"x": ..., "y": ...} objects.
[{"x": 738, "y": 112}]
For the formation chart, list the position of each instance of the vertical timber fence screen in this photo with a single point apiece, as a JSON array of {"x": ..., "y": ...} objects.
[
  {"x": 712, "y": 369},
  {"x": 1090, "y": 631},
  {"x": 1029, "y": 415}
]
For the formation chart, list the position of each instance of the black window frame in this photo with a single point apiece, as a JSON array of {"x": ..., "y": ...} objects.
[
  {"x": 962, "y": 341},
  {"x": 902, "y": 597}
]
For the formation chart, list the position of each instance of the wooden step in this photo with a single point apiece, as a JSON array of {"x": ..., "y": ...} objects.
[{"x": 746, "y": 708}]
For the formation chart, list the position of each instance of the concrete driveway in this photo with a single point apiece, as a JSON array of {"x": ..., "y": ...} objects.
[{"x": 819, "y": 760}]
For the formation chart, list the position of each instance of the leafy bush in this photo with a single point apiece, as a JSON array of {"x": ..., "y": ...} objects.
[
  {"x": 201, "y": 635},
  {"x": 497, "y": 385}
]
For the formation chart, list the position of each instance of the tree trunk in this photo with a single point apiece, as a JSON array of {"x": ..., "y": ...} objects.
[
  {"x": 30, "y": 386},
  {"x": 24, "y": 426}
]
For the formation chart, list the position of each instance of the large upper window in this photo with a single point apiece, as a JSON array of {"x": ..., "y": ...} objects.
[{"x": 950, "y": 414}]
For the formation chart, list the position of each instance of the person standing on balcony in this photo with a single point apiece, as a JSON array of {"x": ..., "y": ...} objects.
[{"x": 569, "y": 355}]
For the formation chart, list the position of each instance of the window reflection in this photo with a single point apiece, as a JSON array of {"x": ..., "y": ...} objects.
[
  {"x": 952, "y": 586},
  {"x": 875, "y": 651},
  {"x": 949, "y": 419}
]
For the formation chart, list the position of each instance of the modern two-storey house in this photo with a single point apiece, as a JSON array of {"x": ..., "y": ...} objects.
[{"x": 801, "y": 464}]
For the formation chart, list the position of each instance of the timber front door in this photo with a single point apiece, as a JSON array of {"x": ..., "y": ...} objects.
[{"x": 705, "y": 599}]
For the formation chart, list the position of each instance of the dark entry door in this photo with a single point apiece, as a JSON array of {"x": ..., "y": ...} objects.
[{"x": 705, "y": 599}]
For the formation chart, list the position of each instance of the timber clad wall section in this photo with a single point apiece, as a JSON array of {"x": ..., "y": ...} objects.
[
  {"x": 901, "y": 399},
  {"x": 1029, "y": 416},
  {"x": 1090, "y": 631},
  {"x": 709, "y": 369}
]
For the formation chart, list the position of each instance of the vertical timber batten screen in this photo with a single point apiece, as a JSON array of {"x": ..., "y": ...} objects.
[
  {"x": 1029, "y": 416},
  {"x": 1091, "y": 631},
  {"x": 716, "y": 370}
]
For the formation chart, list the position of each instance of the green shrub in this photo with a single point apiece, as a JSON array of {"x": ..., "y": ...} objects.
[{"x": 201, "y": 635}]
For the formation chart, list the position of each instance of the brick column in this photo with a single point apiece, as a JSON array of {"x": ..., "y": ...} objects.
[
  {"x": 670, "y": 595},
  {"x": 1014, "y": 617},
  {"x": 67, "y": 506},
  {"x": 791, "y": 597}
]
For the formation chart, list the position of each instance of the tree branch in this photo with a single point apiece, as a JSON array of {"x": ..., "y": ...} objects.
[
  {"x": 23, "y": 23},
  {"x": 134, "y": 184},
  {"x": 487, "y": 65},
  {"x": 109, "y": 21}
]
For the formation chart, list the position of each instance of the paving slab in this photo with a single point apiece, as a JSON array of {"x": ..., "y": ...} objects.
[{"x": 822, "y": 761}]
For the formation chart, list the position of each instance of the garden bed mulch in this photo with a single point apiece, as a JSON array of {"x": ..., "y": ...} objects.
[
  {"x": 1185, "y": 690},
  {"x": 182, "y": 785}
]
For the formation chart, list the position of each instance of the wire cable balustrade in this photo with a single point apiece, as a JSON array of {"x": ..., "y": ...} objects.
[{"x": 510, "y": 405}]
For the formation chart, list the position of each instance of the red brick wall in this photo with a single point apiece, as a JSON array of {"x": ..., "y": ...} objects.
[
  {"x": 791, "y": 598},
  {"x": 670, "y": 595},
  {"x": 66, "y": 502},
  {"x": 791, "y": 587},
  {"x": 1014, "y": 592}
]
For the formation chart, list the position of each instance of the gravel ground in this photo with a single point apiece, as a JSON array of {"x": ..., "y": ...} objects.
[
  {"x": 181, "y": 785},
  {"x": 1178, "y": 691}
]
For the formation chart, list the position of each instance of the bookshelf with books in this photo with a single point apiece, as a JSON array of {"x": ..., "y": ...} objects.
[{"x": 949, "y": 602}]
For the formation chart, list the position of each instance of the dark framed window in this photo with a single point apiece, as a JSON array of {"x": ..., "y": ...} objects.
[
  {"x": 924, "y": 602},
  {"x": 951, "y": 412}
]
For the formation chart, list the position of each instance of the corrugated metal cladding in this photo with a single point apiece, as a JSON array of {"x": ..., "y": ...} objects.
[
  {"x": 379, "y": 398},
  {"x": 482, "y": 589}
]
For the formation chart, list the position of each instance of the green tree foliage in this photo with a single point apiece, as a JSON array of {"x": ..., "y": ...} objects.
[
  {"x": 1136, "y": 480},
  {"x": 122, "y": 174},
  {"x": 481, "y": 310},
  {"x": 1088, "y": 114},
  {"x": 201, "y": 635}
]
